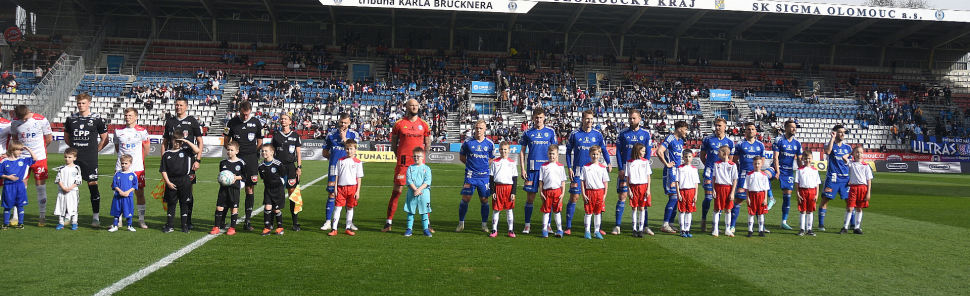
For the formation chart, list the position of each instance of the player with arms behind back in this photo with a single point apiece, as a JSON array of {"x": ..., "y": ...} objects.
[
  {"x": 745, "y": 152},
  {"x": 407, "y": 134},
  {"x": 787, "y": 149},
  {"x": 710, "y": 155},
  {"x": 626, "y": 140},
  {"x": 133, "y": 140},
  {"x": 669, "y": 153},
  {"x": 578, "y": 154},
  {"x": 246, "y": 130},
  {"x": 535, "y": 143},
  {"x": 476, "y": 154}
]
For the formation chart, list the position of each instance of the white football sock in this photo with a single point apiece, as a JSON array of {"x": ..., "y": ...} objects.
[
  {"x": 60, "y": 220},
  {"x": 588, "y": 220},
  {"x": 727, "y": 221},
  {"x": 690, "y": 217},
  {"x": 717, "y": 219},
  {"x": 509, "y": 217},
  {"x": 643, "y": 219},
  {"x": 350, "y": 217},
  {"x": 761, "y": 223},
  {"x": 545, "y": 220},
  {"x": 598, "y": 218},
  {"x": 96, "y": 217},
  {"x": 750, "y": 223},
  {"x": 848, "y": 218},
  {"x": 858, "y": 219},
  {"x": 809, "y": 217},
  {"x": 41, "y": 200},
  {"x": 141, "y": 212},
  {"x": 389, "y": 221},
  {"x": 336, "y": 217},
  {"x": 559, "y": 221},
  {"x": 495, "y": 220},
  {"x": 801, "y": 221},
  {"x": 633, "y": 219}
]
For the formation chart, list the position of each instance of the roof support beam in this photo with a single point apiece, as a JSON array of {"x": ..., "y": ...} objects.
[
  {"x": 892, "y": 38},
  {"x": 791, "y": 32},
  {"x": 733, "y": 33},
  {"x": 271, "y": 9},
  {"x": 150, "y": 7},
  {"x": 632, "y": 20},
  {"x": 940, "y": 41},
  {"x": 27, "y": 5},
  {"x": 573, "y": 18},
  {"x": 686, "y": 24},
  {"x": 209, "y": 7},
  {"x": 87, "y": 6},
  {"x": 848, "y": 32}
]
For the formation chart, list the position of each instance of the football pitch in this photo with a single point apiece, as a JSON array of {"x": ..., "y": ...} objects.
[{"x": 916, "y": 239}]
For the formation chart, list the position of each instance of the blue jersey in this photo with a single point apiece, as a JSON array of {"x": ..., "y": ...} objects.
[
  {"x": 17, "y": 167},
  {"x": 333, "y": 144},
  {"x": 624, "y": 145},
  {"x": 477, "y": 154},
  {"x": 710, "y": 145},
  {"x": 579, "y": 144},
  {"x": 788, "y": 152},
  {"x": 535, "y": 143},
  {"x": 124, "y": 181},
  {"x": 675, "y": 149},
  {"x": 746, "y": 152},
  {"x": 838, "y": 170}
]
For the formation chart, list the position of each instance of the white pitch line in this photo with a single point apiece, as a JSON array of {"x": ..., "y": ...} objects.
[{"x": 165, "y": 261}]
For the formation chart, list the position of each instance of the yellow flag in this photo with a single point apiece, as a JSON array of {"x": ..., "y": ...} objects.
[
  {"x": 297, "y": 198},
  {"x": 159, "y": 194}
]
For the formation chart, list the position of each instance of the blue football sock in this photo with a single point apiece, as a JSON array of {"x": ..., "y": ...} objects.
[
  {"x": 462, "y": 210},
  {"x": 331, "y": 202},
  {"x": 734, "y": 215},
  {"x": 410, "y": 221},
  {"x": 851, "y": 220},
  {"x": 528, "y": 212},
  {"x": 20, "y": 215},
  {"x": 425, "y": 221},
  {"x": 620, "y": 206},
  {"x": 670, "y": 209},
  {"x": 129, "y": 222},
  {"x": 785, "y": 206},
  {"x": 6, "y": 216},
  {"x": 706, "y": 206},
  {"x": 821, "y": 217},
  {"x": 115, "y": 222},
  {"x": 570, "y": 210},
  {"x": 485, "y": 211}
]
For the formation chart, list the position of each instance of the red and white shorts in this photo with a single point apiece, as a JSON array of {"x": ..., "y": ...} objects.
[
  {"x": 39, "y": 170},
  {"x": 503, "y": 197},
  {"x": 552, "y": 203},
  {"x": 808, "y": 196},
  {"x": 857, "y": 196},
  {"x": 686, "y": 203},
  {"x": 723, "y": 201},
  {"x": 346, "y": 196},
  {"x": 596, "y": 204},
  {"x": 639, "y": 195},
  {"x": 141, "y": 179},
  {"x": 756, "y": 203}
]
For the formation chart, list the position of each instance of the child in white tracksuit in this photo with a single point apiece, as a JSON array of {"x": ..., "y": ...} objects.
[{"x": 68, "y": 179}]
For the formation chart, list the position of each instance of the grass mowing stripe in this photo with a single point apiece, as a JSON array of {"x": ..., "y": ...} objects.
[{"x": 118, "y": 286}]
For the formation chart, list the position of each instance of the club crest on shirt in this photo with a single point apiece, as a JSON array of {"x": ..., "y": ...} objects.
[
  {"x": 131, "y": 178},
  {"x": 238, "y": 167},
  {"x": 254, "y": 178},
  {"x": 272, "y": 170},
  {"x": 292, "y": 148},
  {"x": 292, "y": 182},
  {"x": 181, "y": 154}
]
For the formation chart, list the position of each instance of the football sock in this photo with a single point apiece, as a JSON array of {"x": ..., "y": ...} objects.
[
  {"x": 141, "y": 212},
  {"x": 821, "y": 217},
  {"x": 808, "y": 222},
  {"x": 267, "y": 219},
  {"x": 634, "y": 217},
  {"x": 129, "y": 221},
  {"x": 232, "y": 220},
  {"x": 20, "y": 215},
  {"x": 670, "y": 209},
  {"x": 683, "y": 224},
  {"x": 509, "y": 218},
  {"x": 643, "y": 219},
  {"x": 801, "y": 220},
  {"x": 690, "y": 216},
  {"x": 222, "y": 222},
  {"x": 761, "y": 222},
  {"x": 184, "y": 210},
  {"x": 528, "y": 213},
  {"x": 545, "y": 220},
  {"x": 331, "y": 202},
  {"x": 296, "y": 216},
  {"x": 392, "y": 204},
  {"x": 750, "y": 223},
  {"x": 279, "y": 219},
  {"x": 425, "y": 221},
  {"x": 189, "y": 205},
  {"x": 171, "y": 216},
  {"x": 95, "y": 200},
  {"x": 42, "y": 200},
  {"x": 852, "y": 220},
  {"x": 587, "y": 221},
  {"x": 598, "y": 220},
  {"x": 462, "y": 210},
  {"x": 717, "y": 218},
  {"x": 848, "y": 218},
  {"x": 60, "y": 220},
  {"x": 570, "y": 210},
  {"x": 495, "y": 220},
  {"x": 410, "y": 221},
  {"x": 219, "y": 220},
  {"x": 6, "y": 216},
  {"x": 336, "y": 217},
  {"x": 114, "y": 222},
  {"x": 706, "y": 206},
  {"x": 735, "y": 212},
  {"x": 250, "y": 199},
  {"x": 559, "y": 221},
  {"x": 858, "y": 219},
  {"x": 728, "y": 221},
  {"x": 350, "y": 216},
  {"x": 485, "y": 209},
  {"x": 620, "y": 207},
  {"x": 785, "y": 207},
  {"x": 73, "y": 219}
]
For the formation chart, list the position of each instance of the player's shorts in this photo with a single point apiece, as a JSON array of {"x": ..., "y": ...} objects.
[
  {"x": 787, "y": 179},
  {"x": 122, "y": 207},
  {"x": 708, "y": 178},
  {"x": 39, "y": 170},
  {"x": 401, "y": 175},
  {"x": 228, "y": 197},
  {"x": 741, "y": 193},
  {"x": 552, "y": 203},
  {"x": 670, "y": 177},
  {"x": 472, "y": 184},
  {"x": 756, "y": 203},
  {"x": 596, "y": 204},
  {"x": 574, "y": 187},
  {"x": 857, "y": 196},
  {"x": 274, "y": 197},
  {"x": 141, "y": 179},
  {"x": 418, "y": 205},
  {"x": 808, "y": 199},
  {"x": 289, "y": 171},
  {"x": 251, "y": 168},
  {"x": 639, "y": 195},
  {"x": 620, "y": 186},
  {"x": 89, "y": 169},
  {"x": 833, "y": 188},
  {"x": 531, "y": 182},
  {"x": 14, "y": 195},
  {"x": 503, "y": 194},
  {"x": 346, "y": 196},
  {"x": 723, "y": 200},
  {"x": 686, "y": 204}
]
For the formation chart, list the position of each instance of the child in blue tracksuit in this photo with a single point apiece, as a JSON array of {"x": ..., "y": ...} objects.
[
  {"x": 418, "y": 200},
  {"x": 124, "y": 184},
  {"x": 13, "y": 170}
]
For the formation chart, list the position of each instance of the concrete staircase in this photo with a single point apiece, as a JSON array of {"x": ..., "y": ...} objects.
[{"x": 218, "y": 125}]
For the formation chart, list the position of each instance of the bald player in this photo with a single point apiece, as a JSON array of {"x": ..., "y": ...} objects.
[{"x": 408, "y": 132}]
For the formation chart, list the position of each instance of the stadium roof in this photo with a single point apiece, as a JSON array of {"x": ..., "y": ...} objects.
[{"x": 549, "y": 16}]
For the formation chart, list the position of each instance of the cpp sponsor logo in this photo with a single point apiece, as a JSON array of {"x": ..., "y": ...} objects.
[{"x": 897, "y": 166}]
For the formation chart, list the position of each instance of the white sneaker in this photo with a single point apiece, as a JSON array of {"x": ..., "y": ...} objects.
[
  {"x": 485, "y": 227},
  {"x": 352, "y": 227},
  {"x": 729, "y": 232},
  {"x": 326, "y": 226},
  {"x": 715, "y": 233},
  {"x": 616, "y": 230},
  {"x": 132, "y": 229},
  {"x": 461, "y": 226},
  {"x": 527, "y": 229},
  {"x": 113, "y": 228}
]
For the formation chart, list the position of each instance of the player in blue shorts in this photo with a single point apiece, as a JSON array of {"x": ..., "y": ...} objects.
[
  {"x": 709, "y": 149},
  {"x": 625, "y": 140},
  {"x": 837, "y": 174},
  {"x": 577, "y": 155},
  {"x": 744, "y": 154},
  {"x": 475, "y": 154},
  {"x": 13, "y": 170},
  {"x": 535, "y": 144},
  {"x": 787, "y": 149},
  {"x": 333, "y": 150},
  {"x": 669, "y": 154}
]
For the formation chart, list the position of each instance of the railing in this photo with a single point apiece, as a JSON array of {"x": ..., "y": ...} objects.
[{"x": 53, "y": 91}]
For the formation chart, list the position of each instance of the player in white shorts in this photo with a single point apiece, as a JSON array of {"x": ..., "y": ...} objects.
[
  {"x": 133, "y": 140},
  {"x": 34, "y": 131}
]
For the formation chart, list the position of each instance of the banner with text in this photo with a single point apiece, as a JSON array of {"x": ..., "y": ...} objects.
[
  {"x": 721, "y": 95},
  {"x": 941, "y": 146},
  {"x": 503, "y": 6},
  {"x": 482, "y": 87}
]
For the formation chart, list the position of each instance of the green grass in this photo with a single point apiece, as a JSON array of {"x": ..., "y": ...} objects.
[{"x": 915, "y": 243}]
